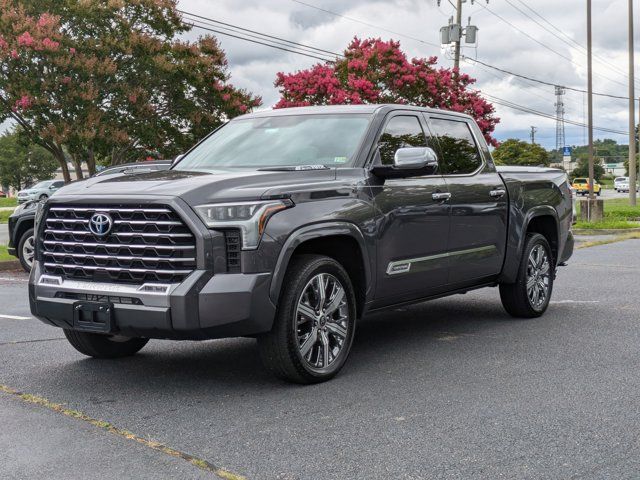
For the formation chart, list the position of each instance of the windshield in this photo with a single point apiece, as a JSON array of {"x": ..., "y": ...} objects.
[
  {"x": 330, "y": 140},
  {"x": 41, "y": 185},
  {"x": 580, "y": 180},
  {"x": 621, "y": 179}
]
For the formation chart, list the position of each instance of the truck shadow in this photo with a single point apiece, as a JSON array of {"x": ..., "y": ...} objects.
[{"x": 415, "y": 337}]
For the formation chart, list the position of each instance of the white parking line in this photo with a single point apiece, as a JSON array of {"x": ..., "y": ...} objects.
[
  {"x": 14, "y": 317},
  {"x": 575, "y": 301},
  {"x": 14, "y": 279}
]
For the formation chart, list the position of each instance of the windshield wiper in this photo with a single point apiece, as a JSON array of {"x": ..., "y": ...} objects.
[{"x": 293, "y": 168}]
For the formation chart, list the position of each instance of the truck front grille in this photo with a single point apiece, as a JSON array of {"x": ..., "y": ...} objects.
[{"x": 146, "y": 243}]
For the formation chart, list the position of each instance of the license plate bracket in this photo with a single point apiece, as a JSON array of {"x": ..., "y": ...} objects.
[{"x": 96, "y": 317}]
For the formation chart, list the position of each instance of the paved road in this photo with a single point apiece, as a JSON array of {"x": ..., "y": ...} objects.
[{"x": 448, "y": 389}]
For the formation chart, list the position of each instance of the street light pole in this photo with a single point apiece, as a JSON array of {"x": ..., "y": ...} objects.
[
  {"x": 632, "y": 114},
  {"x": 590, "y": 99}
]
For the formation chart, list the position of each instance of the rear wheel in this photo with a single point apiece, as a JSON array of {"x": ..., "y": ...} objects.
[
  {"x": 26, "y": 250},
  {"x": 104, "y": 346},
  {"x": 529, "y": 296},
  {"x": 315, "y": 322}
]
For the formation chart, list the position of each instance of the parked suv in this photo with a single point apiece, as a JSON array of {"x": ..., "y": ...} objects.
[
  {"x": 290, "y": 225},
  {"x": 39, "y": 191}
]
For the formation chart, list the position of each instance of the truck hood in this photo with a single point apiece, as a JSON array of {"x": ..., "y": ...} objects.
[{"x": 196, "y": 187}]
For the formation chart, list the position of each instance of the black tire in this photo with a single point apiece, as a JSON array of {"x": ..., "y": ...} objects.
[
  {"x": 104, "y": 346},
  {"x": 43, "y": 197},
  {"x": 280, "y": 349},
  {"x": 25, "y": 262},
  {"x": 598, "y": 194},
  {"x": 514, "y": 296}
]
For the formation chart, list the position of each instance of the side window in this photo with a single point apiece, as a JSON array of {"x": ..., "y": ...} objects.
[
  {"x": 458, "y": 150},
  {"x": 58, "y": 184},
  {"x": 401, "y": 131}
]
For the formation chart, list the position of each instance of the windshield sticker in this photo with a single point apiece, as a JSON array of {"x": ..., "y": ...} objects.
[{"x": 340, "y": 160}]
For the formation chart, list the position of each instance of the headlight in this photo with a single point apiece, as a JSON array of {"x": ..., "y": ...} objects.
[{"x": 250, "y": 217}]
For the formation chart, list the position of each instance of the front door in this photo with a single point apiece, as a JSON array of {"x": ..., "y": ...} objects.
[
  {"x": 413, "y": 219},
  {"x": 477, "y": 237}
]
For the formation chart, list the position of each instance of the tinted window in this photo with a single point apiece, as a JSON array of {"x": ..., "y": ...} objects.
[
  {"x": 458, "y": 151},
  {"x": 401, "y": 131},
  {"x": 58, "y": 184}
]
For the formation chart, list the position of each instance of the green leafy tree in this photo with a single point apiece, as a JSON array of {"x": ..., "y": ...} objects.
[
  {"x": 22, "y": 164},
  {"x": 582, "y": 168},
  {"x": 517, "y": 152},
  {"x": 111, "y": 79}
]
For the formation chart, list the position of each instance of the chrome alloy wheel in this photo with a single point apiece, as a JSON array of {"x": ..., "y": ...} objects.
[
  {"x": 322, "y": 320},
  {"x": 28, "y": 251},
  {"x": 538, "y": 277}
]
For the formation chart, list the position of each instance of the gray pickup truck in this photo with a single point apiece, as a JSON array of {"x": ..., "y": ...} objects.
[{"x": 289, "y": 226}]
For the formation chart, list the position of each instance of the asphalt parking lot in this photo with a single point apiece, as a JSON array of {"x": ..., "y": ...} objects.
[{"x": 452, "y": 388}]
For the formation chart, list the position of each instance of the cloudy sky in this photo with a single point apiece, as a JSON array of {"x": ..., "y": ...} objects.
[{"x": 559, "y": 57}]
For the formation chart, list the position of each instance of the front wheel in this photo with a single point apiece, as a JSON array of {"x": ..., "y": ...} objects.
[
  {"x": 104, "y": 346},
  {"x": 43, "y": 197},
  {"x": 315, "y": 322},
  {"x": 529, "y": 296}
]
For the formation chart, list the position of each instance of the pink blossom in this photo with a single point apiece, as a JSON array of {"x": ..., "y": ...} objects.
[
  {"x": 72, "y": 51},
  {"x": 23, "y": 103},
  {"x": 133, "y": 98},
  {"x": 226, "y": 97},
  {"x": 45, "y": 20},
  {"x": 242, "y": 108},
  {"x": 66, "y": 80},
  {"x": 49, "y": 44},
  {"x": 3, "y": 43},
  {"x": 25, "y": 39},
  {"x": 14, "y": 54}
]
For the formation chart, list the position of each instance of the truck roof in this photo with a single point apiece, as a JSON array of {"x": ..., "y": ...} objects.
[{"x": 344, "y": 109}]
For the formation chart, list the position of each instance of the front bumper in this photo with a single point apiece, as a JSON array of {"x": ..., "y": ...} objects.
[
  {"x": 26, "y": 198},
  {"x": 203, "y": 306}
]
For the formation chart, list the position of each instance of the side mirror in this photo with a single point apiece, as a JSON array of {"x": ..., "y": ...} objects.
[
  {"x": 409, "y": 162},
  {"x": 53, "y": 187}
]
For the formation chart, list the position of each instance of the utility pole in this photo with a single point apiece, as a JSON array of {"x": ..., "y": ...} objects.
[
  {"x": 456, "y": 54},
  {"x": 533, "y": 134},
  {"x": 632, "y": 114},
  {"x": 590, "y": 100},
  {"x": 560, "y": 137}
]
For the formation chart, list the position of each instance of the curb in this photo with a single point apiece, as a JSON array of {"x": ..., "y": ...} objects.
[
  {"x": 10, "y": 265},
  {"x": 604, "y": 231}
]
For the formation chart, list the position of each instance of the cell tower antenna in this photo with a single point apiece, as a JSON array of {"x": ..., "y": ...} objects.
[{"x": 560, "y": 137}]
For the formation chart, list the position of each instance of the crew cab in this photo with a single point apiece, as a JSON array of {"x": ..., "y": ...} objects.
[{"x": 289, "y": 226}]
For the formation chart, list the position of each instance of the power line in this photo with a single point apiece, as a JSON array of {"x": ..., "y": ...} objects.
[
  {"x": 351, "y": 19},
  {"x": 542, "y": 44},
  {"x": 290, "y": 50},
  {"x": 515, "y": 106},
  {"x": 255, "y": 34},
  {"x": 561, "y": 32},
  {"x": 543, "y": 82}
]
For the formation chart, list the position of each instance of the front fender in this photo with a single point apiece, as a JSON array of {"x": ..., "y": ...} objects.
[{"x": 312, "y": 232}]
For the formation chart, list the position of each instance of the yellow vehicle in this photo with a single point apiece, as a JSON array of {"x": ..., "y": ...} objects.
[{"x": 581, "y": 186}]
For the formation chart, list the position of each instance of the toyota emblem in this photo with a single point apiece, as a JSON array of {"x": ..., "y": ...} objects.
[{"x": 100, "y": 224}]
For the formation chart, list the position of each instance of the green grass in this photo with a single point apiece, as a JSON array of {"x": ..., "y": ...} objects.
[
  {"x": 4, "y": 256},
  {"x": 8, "y": 202},
  {"x": 607, "y": 224},
  {"x": 4, "y": 215}
]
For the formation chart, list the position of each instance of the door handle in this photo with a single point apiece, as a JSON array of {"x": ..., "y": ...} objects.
[
  {"x": 500, "y": 192},
  {"x": 441, "y": 196}
]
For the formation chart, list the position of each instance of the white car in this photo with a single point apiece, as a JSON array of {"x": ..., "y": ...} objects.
[
  {"x": 40, "y": 191},
  {"x": 621, "y": 184}
]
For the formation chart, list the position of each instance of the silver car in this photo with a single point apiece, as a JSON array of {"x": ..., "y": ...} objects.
[{"x": 40, "y": 191}]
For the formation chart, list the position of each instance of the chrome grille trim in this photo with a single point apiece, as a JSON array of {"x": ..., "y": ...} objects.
[{"x": 148, "y": 244}]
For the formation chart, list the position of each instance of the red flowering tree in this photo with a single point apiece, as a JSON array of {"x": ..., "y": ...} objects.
[
  {"x": 111, "y": 80},
  {"x": 375, "y": 71}
]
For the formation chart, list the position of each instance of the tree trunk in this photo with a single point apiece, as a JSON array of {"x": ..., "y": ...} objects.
[
  {"x": 77, "y": 166},
  {"x": 59, "y": 154},
  {"x": 91, "y": 162}
]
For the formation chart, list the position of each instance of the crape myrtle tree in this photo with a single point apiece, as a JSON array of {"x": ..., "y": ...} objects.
[
  {"x": 111, "y": 80},
  {"x": 377, "y": 71}
]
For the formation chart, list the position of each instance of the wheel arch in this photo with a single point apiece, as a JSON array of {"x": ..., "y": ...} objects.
[{"x": 341, "y": 241}]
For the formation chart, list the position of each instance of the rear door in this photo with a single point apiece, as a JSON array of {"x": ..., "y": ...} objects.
[
  {"x": 479, "y": 203},
  {"x": 413, "y": 218}
]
